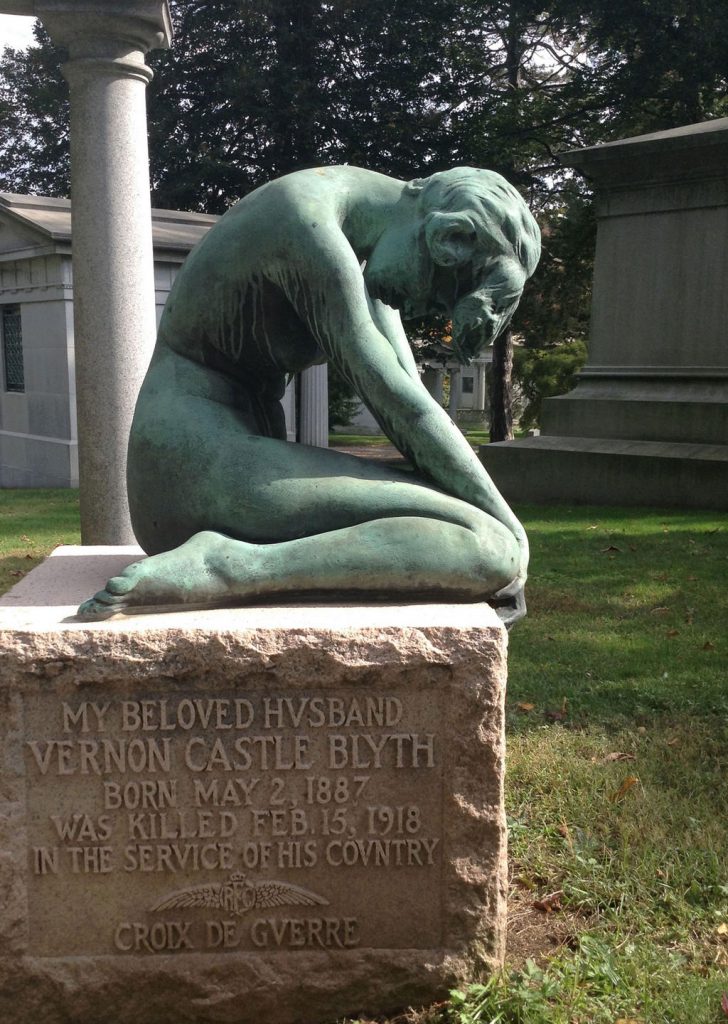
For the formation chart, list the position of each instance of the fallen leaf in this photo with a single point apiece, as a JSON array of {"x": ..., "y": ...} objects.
[
  {"x": 612, "y": 547},
  {"x": 523, "y": 705},
  {"x": 708, "y": 646},
  {"x": 558, "y": 716},
  {"x": 16, "y": 572},
  {"x": 673, "y": 742},
  {"x": 672, "y": 632},
  {"x": 722, "y": 929},
  {"x": 549, "y": 903},
  {"x": 724, "y": 1003},
  {"x": 661, "y": 610},
  {"x": 619, "y": 756},
  {"x": 630, "y": 781}
]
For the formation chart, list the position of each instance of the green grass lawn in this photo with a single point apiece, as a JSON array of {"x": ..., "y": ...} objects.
[
  {"x": 618, "y": 771},
  {"x": 617, "y": 785},
  {"x": 475, "y": 437},
  {"x": 32, "y": 523},
  {"x": 359, "y": 440}
]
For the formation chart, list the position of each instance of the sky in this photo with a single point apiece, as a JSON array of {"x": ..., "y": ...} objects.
[{"x": 15, "y": 31}]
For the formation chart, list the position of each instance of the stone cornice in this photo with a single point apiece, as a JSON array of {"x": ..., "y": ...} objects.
[
  {"x": 660, "y": 157},
  {"x": 87, "y": 28}
]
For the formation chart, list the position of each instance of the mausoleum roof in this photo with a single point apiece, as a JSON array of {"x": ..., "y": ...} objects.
[{"x": 173, "y": 230}]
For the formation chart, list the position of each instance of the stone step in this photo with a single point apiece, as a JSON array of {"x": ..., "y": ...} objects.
[
  {"x": 650, "y": 419},
  {"x": 609, "y": 471}
]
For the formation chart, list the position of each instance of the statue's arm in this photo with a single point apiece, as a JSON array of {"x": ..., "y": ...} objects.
[
  {"x": 389, "y": 323},
  {"x": 335, "y": 304}
]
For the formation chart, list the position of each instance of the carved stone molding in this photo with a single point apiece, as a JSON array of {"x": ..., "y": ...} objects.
[{"x": 86, "y": 27}]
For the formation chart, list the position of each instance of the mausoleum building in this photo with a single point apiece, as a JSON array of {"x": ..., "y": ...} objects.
[{"x": 38, "y": 437}]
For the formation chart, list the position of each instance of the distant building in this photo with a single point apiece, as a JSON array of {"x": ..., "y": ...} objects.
[
  {"x": 38, "y": 441},
  {"x": 467, "y": 393}
]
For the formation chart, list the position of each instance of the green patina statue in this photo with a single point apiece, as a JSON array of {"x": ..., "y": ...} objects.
[{"x": 318, "y": 266}]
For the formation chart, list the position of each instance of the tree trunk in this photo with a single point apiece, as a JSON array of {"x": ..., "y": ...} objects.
[{"x": 501, "y": 412}]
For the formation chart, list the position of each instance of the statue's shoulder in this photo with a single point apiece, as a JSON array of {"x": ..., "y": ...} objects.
[
  {"x": 300, "y": 211},
  {"x": 301, "y": 190}
]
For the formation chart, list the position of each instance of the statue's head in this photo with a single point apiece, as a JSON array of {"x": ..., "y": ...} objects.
[{"x": 483, "y": 245}]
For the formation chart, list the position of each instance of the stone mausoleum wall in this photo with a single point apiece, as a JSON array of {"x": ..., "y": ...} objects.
[{"x": 647, "y": 422}]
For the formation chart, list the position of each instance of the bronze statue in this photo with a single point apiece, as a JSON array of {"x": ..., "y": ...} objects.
[{"x": 315, "y": 266}]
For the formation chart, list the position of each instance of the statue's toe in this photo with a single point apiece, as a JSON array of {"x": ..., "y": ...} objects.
[
  {"x": 94, "y": 609},
  {"x": 120, "y": 585}
]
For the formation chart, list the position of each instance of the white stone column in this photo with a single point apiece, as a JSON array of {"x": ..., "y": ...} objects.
[
  {"x": 480, "y": 392},
  {"x": 289, "y": 410},
  {"x": 314, "y": 413},
  {"x": 437, "y": 389},
  {"x": 454, "y": 401},
  {"x": 113, "y": 263}
]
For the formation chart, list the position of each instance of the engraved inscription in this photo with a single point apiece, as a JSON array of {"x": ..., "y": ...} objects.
[{"x": 248, "y": 821}]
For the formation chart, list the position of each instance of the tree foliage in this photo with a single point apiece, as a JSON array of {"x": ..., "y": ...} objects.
[
  {"x": 34, "y": 142},
  {"x": 252, "y": 89},
  {"x": 543, "y": 373},
  {"x": 343, "y": 403}
]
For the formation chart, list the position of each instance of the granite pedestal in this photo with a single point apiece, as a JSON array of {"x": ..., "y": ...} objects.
[{"x": 279, "y": 814}]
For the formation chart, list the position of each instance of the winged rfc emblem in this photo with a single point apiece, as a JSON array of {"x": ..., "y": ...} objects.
[{"x": 238, "y": 895}]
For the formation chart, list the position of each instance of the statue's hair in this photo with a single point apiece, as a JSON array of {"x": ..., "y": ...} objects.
[
  {"x": 495, "y": 208},
  {"x": 506, "y": 232}
]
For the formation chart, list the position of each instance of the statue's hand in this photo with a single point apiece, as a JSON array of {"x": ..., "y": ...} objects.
[{"x": 510, "y": 603}]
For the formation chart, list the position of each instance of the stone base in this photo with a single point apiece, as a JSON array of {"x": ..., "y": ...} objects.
[
  {"x": 628, "y": 420},
  {"x": 604, "y": 471},
  {"x": 278, "y": 814}
]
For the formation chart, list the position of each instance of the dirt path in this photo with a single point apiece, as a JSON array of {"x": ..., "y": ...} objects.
[{"x": 383, "y": 452}]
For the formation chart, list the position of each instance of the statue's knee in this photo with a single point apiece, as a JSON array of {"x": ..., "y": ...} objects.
[{"x": 498, "y": 554}]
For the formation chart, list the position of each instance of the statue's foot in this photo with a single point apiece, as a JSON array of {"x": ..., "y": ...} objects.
[
  {"x": 510, "y": 602},
  {"x": 510, "y": 610},
  {"x": 193, "y": 573}
]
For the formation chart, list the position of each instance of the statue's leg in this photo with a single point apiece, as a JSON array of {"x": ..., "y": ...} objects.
[
  {"x": 248, "y": 516},
  {"x": 406, "y": 555}
]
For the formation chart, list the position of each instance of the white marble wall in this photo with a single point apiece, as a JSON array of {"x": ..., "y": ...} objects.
[{"x": 38, "y": 445}]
